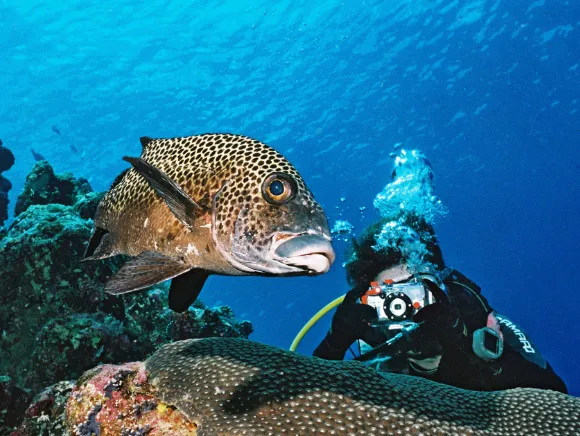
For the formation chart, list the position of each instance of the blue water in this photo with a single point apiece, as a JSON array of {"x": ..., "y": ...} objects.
[{"x": 489, "y": 90}]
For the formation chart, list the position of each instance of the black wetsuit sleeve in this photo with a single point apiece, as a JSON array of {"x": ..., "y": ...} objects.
[
  {"x": 515, "y": 368},
  {"x": 350, "y": 322},
  {"x": 522, "y": 364},
  {"x": 325, "y": 349},
  {"x": 333, "y": 346},
  {"x": 518, "y": 372},
  {"x": 511, "y": 370}
]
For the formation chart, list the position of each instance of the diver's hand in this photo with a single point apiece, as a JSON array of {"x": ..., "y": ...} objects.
[
  {"x": 353, "y": 319},
  {"x": 443, "y": 320},
  {"x": 443, "y": 323},
  {"x": 350, "y": 322}
]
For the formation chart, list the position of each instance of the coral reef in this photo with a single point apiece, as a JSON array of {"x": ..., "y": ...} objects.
[
  {"x": 43, "y": 280},
  {"x": 118, "y": 400},
  {"x": 6, "y": 162},
  {"x": 44, "y": 187},
  {"x": 229, "y": 385},
  {"x": 56, "y": 321},
  {"x": 108, "y": 400},
  {"x": 46, "y": 414},
  {"x": 12, "y": 400},
  {"x": 235, "y": 386}
]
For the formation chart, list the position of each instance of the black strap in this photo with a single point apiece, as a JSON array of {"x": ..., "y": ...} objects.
[{"x": 393, "y": 345}]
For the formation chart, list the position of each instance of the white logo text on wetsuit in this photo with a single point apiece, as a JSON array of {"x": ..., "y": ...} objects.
[{"x": 526, "y": 345}]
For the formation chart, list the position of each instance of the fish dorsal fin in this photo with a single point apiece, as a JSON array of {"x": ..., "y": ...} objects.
[
  {"x": 145, "y": 141},
  {"x": 179, "y": 202},
  {"x": 185, "y": 289},
  {"x": 147, "y": 269}
]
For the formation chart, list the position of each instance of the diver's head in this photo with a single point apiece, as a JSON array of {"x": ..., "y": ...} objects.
[
  {"x": 412, "y": 163},
  {"x": 400, "y": 272},
  {"x": 409, "y": 247}
]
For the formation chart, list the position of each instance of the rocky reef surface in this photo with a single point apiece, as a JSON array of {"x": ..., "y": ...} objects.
[
  {"x": 6, "y": 162},
  {"x": 56, "y": 321},
  {"x": 224, "y": 386}
]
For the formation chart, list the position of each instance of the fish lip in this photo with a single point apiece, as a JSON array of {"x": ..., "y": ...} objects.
[{"x": 310, "y": 252}]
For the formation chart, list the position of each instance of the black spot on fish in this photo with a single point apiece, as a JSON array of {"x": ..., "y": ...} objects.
[
  {"x": 56, "y": 130},
  {"x": 74, "y": 149}
]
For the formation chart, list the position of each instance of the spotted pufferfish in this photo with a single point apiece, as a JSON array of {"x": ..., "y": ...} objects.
[{"x": 209, "y": 204}]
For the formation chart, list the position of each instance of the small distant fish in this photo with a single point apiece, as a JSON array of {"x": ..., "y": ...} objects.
[
  {"x": 56, "y": 130},
  {"x": 37, "y": 156},
  {"x": 209, "y": 204},
  {"x": 74, "y": 149}
]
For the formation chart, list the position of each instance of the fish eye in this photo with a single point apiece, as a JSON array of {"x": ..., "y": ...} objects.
[{"x": 279, "y": 188}]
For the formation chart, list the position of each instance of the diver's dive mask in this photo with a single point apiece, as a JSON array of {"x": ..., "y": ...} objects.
[{"x": 397, "y": 303}]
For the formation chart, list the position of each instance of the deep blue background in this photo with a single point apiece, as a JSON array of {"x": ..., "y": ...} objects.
[{"x": 487, "y": 89}]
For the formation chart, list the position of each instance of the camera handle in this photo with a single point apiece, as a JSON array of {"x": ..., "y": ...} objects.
[{"x": 407, "y": 333}]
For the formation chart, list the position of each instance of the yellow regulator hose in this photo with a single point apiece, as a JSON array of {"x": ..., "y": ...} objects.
[{"x": 314, "y": 320}]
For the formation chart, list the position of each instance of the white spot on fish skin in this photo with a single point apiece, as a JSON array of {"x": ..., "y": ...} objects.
[
  {"x": 205, "y": 226},
  {"x": 146, "y": 223},
  {"x": 192, "y": 249}
]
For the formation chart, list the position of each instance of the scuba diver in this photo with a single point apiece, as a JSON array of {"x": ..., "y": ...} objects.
[{"x": 412, "y": 314}]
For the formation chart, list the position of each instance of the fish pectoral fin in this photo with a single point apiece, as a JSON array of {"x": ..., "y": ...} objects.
[
  {"x": 100, "y": 245},
  {"x": 179, "y": 202},
  {"x": 185, "y": 289},
  {"x": 95, "y": 241},
  {"x": 147, "y": 269}
]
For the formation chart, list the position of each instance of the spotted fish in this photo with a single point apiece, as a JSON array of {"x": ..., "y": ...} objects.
[{"x": 209, "y": 204}]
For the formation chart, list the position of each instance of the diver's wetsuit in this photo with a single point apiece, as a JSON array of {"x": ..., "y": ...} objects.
[{"x": 520, "y": 365}]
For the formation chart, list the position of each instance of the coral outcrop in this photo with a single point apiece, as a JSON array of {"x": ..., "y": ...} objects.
[
  {"x": 12, "y": 400},
  {"x": 56, "y": 321},
  {"x": 6, "y": 162},
  {"x": 43, "y": 186},
  {"x": 235, "y": 386},
  {"x": 46, "y": 415},
  {"x": 109, "y": 400}
]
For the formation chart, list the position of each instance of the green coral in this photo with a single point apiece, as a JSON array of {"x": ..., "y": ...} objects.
[
  {"x": 43, "y": 279},
  {"x": 81, "y": 340},
  {"x": 43, "y": 186}
]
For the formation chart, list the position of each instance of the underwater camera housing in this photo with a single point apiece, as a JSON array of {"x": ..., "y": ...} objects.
[{"x": 397, "y": 303}]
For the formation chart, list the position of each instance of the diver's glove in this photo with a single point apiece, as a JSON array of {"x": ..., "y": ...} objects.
[
  {"x": 443, "y": 322},
  {"x": 350, "y": 322}
]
